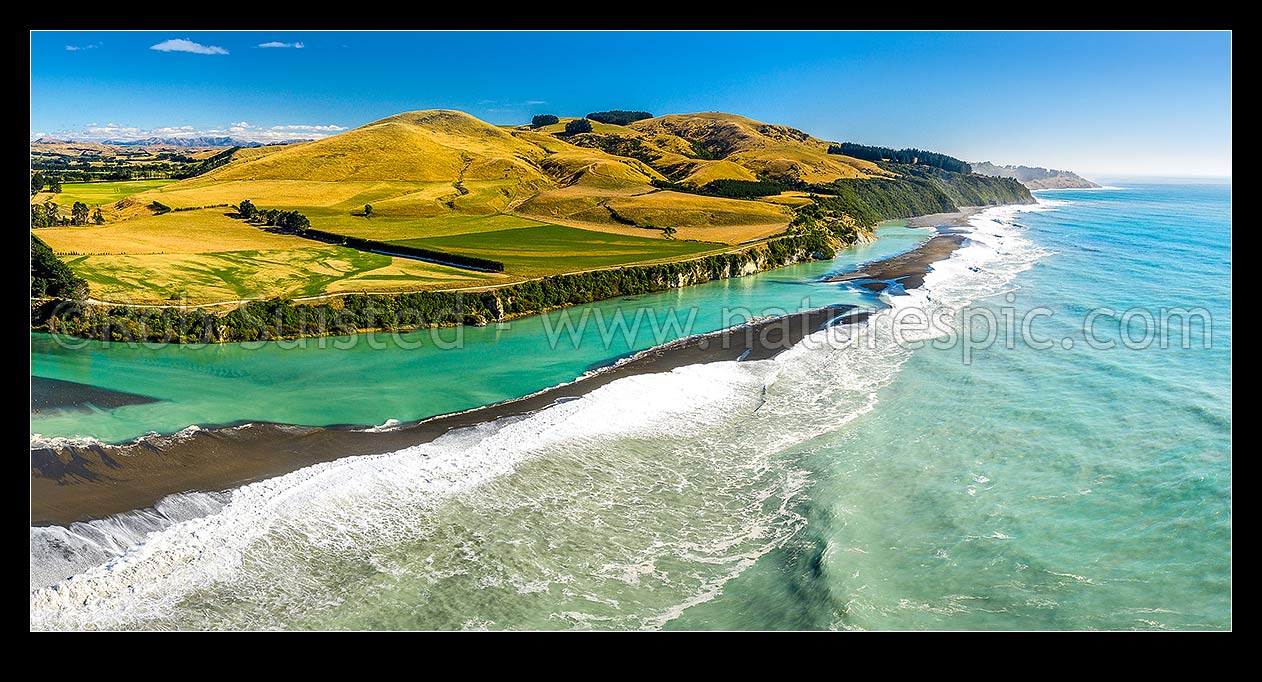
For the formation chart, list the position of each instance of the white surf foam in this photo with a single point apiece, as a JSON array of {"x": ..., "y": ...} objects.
[
  {"x": 58, "y": 552},
  {"x": 41, "y": 441},
  {"x": 387, "y": 425},
  {"x": 1102, "y": 188}
]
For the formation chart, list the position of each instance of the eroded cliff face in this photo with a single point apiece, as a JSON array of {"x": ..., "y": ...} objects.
[{"x": 757, "y": 261}]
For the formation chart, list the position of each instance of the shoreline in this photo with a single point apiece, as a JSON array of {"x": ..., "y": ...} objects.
[{"x": 72, "y": 482}]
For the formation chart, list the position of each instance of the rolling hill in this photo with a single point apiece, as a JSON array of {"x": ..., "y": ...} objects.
[{"x": 435, "y": 163}]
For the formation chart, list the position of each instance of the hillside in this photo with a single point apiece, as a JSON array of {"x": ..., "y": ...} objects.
[
  {"x": 435, "y": 163},
  {"x": 773, "y": 151},
  {"x": 398, "y": 204},
  {"x": 428, "y": 146},
  {"x": 1034, "y": 177},
  {"x": 430, "y": 164}
]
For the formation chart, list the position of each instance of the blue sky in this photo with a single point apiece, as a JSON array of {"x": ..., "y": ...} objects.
[{"x": 1106, "y": 103}]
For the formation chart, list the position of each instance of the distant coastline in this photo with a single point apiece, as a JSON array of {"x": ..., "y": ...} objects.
[{"x": 1034, "y": 177}]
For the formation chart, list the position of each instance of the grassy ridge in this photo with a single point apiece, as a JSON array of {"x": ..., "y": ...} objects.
[{"x": 435, "y": 163}]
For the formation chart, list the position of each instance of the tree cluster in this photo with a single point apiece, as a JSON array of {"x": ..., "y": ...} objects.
[
  {"x": 729, "y": 189},
  {"x": 578, "y": 125},
  {"x": 905, "y": 156},
  {"x": 47, "y": 214},
  {"x": 619, "y": 117},
  {"x": 290, "y": 221},
  {"x": 52, "y": 277},
  {"x": 79, "y": 213}
]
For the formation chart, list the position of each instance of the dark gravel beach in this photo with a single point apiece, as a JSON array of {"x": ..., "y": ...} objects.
[{"x": 55, "y": 393}]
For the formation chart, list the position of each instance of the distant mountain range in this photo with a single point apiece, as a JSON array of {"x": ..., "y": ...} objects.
[
  {"x": 203, "y": 141},
  {"x": 1033, "y": 177}
]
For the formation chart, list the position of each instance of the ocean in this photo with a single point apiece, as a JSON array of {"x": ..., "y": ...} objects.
[{"x": 1038, "y": 438}]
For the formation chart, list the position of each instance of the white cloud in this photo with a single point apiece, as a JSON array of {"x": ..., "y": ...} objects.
[
  {"x": 182, "y": 45},
  {"x": 76, "y": 48},
  {"x": 241, "y": 130},
  {"x": 501, "y": 106},
  {"x": 274, "y": 43},
  {"x": 172, "y": 131},
  {"x": 114, "y": 130},
  {"x": 317, "y": 129}
]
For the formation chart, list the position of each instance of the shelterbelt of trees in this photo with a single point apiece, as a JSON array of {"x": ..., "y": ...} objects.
[
  {"x": 904, "y": 156},
  {"x": 52, "y": 170},
  {"x": 296, "y": 223},
  {"x": 48, "y": 214}
]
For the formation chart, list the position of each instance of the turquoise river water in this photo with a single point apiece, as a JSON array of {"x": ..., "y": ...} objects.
[{"x": 1051, "y": 451}]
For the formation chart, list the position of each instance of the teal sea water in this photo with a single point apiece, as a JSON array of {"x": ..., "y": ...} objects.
[{"x": 881, "y": 480}]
